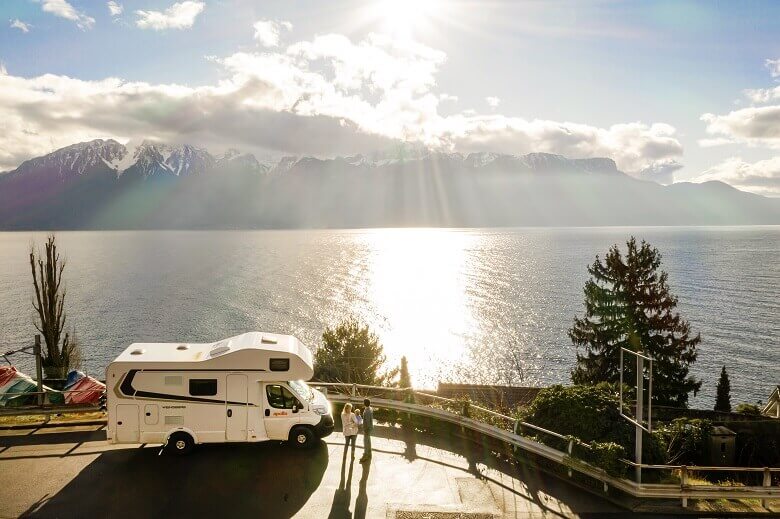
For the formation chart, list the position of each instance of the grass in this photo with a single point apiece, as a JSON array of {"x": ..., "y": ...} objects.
[{"x": 38, "y": 419}]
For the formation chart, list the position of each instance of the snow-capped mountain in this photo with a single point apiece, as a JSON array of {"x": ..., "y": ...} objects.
[
  {"x": 103, "y": 184},
  {"x": 74, "y": 160}
]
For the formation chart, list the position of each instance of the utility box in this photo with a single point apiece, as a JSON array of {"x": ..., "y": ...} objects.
[{"x": 722, "y": 446}]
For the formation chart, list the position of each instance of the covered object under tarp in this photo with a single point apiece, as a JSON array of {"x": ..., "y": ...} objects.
[
  {"x": 18, "y": 389},
  {"x": 83, "y": 389}
]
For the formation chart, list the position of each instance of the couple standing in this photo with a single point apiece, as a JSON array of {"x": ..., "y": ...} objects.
[{"x": 350, "y": 424}]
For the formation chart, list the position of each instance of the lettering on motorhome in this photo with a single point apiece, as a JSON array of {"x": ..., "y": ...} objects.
[
  {"x": 174, "y": 407},
  {"x": 280, "y": 413}
]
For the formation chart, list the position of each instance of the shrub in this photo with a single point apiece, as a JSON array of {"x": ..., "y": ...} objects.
[
  {"x": 751, "y": 409},
  {"x": 686, "y": 441}
]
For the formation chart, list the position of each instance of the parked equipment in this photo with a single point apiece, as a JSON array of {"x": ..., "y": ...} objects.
[{"x": 248, "y": 388}]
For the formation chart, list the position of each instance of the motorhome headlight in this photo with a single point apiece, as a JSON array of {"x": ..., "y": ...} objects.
[{"x": 320, "y": 409}]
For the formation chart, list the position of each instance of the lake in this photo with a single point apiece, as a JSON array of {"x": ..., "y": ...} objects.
[{"x": 477, "y": 305}]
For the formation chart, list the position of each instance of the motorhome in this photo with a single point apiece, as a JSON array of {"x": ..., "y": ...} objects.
[{"x": 248, "y": 388}]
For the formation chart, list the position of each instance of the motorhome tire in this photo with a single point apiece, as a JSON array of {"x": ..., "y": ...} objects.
[
  {"x": 180, "y": 443},
  {"x": 301, "y": 437}
]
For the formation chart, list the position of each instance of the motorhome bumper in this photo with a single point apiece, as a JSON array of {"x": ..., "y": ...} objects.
[{"x": 324, "y": 427}]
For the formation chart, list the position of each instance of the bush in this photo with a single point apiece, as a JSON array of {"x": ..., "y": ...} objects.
[
  {"x": 686, "y": 441},
  {"x": 751, "y": 409},
  {"x": 589, "y": 414}
]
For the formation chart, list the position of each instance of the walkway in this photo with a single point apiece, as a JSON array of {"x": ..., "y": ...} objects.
[{"x": 73, "y": 472}]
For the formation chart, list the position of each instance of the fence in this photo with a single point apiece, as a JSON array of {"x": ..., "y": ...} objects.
[
  {"x": 392, "y": 398},
  {"x": 683, "y": 491}
]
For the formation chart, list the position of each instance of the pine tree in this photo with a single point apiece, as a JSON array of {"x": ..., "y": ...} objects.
[
  {"x": 404, "y": 380},
  {"x": 723, "y": 399},
  {"x": 628, "y": 305}
]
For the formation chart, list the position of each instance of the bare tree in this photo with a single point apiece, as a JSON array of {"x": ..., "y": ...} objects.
[{"x": 49, "y": 304}]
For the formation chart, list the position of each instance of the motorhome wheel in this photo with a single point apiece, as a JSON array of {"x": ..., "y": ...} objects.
[
  {"x": 180, "y": 443},
  {"x": 301, "y": 437}
]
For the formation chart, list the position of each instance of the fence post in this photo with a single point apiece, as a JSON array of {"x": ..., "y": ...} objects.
[
  {"x": 354, "y": 389},
  {"x": 767, "y": 484},
  {"x": 684, "y": 484},
  {"x": 38, "y": 367}
]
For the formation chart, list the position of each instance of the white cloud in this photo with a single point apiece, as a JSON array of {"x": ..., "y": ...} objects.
[
  {"x": 180, "y": 15},
  {"x": 492, "y": 101},
  {"x": 774, "y": 67},
  {"x": 762, "y": 177},
  {"x": 63, "y": 9},
  {"x": 267, "y": 32},
  {"x": 325, "y": 96},
  {"x": 115, "y": 8},
  {"x": 755, "y": 126},
  {"x": 661, "y": 171},
  {"x": 762, "y": 95},
  {"x": 18, "y": 24}
]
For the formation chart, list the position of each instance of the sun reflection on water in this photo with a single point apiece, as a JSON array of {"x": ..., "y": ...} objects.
[{"x": 416, "y": 284}]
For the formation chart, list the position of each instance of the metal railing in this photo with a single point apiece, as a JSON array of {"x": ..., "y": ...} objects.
[{"x": 683, "y": 491}]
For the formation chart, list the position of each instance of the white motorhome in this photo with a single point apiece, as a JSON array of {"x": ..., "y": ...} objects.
[{"x": 248, "y": 388}]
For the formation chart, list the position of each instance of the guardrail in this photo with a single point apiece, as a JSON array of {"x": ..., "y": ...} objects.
[{"x": 684, "y": 491}]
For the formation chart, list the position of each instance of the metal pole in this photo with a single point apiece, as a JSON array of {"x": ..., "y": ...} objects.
[
  {"x": 38, "y": 367},
  {"x": 639, "y": 414}
]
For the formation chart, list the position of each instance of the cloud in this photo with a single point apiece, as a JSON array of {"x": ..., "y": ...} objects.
[
  {"x": 661, "y": 171},
  {"x": 115, "y": 8},
  {"x": 324, "y": 96},
  {"x": 774, "y": 67},
  {"x": 18, "y": 24},
  {"x": 65, "y": 10},
  {"x": 180, "y": 15},
  {"x": 267, "y": 32},
  {"x": 762, "y": 95},
  {"x": 755, "y": 126},
  {"x": 492, "y": 101},
  {"x": 762, "y": 177}
]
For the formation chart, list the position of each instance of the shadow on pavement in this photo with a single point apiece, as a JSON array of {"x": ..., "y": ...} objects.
[
  {"x": 225, "y": 480},
  {"x": 537, "y": 486},
  {"x": 36, "y": 437}
]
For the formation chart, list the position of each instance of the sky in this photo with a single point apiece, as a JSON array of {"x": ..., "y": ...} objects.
[{"x": 670, "y": 90}]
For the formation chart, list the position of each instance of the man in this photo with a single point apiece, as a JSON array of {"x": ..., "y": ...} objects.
[{"x": 368, "y": 426}]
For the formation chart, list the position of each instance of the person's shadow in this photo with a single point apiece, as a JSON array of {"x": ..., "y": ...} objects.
[
  {"x": 342, "y": 497},
  {"x": 361, "y": 503}
]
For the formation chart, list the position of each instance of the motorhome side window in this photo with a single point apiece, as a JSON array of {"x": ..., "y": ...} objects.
[
  {"x": 280, "y": 397},
  {"x": 203, "y": 386}
]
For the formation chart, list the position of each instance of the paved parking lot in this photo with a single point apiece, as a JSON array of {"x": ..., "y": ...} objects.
[{"x": 73, "y": 472}]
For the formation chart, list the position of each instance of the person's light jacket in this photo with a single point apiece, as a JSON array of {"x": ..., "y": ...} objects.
[{"x": 349, "y": 424}]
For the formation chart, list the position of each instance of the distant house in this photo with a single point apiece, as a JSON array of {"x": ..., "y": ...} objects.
[
  {"x": 772, "y": 407},
  {"x": 495, "y": 396}
]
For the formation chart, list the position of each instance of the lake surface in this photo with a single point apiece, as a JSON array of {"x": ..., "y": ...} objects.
[{"x": 478, "y": 305}]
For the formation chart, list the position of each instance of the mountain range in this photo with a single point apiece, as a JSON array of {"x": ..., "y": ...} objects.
[{"x": 102, "y": 184}]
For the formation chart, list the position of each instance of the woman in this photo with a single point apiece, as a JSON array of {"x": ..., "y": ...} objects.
[{"x": 349, "y": 425}]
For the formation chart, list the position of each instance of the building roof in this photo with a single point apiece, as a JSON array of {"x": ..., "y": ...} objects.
[
  {"x": 719, "y": 430},
  {"x": 772, "y": 402},
  {"x": 497, "y": 396}
]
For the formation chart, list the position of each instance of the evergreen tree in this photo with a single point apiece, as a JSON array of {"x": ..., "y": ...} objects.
[
  {"x": 404, "y": 379},
  {"x": 628, "y": 305},
  {"x": 723, "y": 400},
  {"x": 351, "y": 353}
]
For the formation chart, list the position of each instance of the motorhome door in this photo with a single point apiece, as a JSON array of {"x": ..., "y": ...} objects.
[
  {"x": 236, "y": 408},
  {"x": 281, "y": 411}
]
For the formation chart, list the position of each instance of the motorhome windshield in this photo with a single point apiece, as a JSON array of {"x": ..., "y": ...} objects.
[{"x": 303, "y": 390}]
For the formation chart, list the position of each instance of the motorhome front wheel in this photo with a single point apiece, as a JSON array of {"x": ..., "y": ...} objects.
[{"x": 302, "y": 437}]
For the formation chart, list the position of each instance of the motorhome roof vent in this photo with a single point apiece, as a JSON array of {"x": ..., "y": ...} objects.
[
  {"x": 268, "y": 340},
  {"x": 219, "y": 348},
  {"x": 138, "y": 351},
  {"x": 181, "y": 347}
]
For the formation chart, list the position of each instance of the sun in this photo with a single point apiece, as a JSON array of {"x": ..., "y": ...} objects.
[{"x": 403, "y": 18}]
